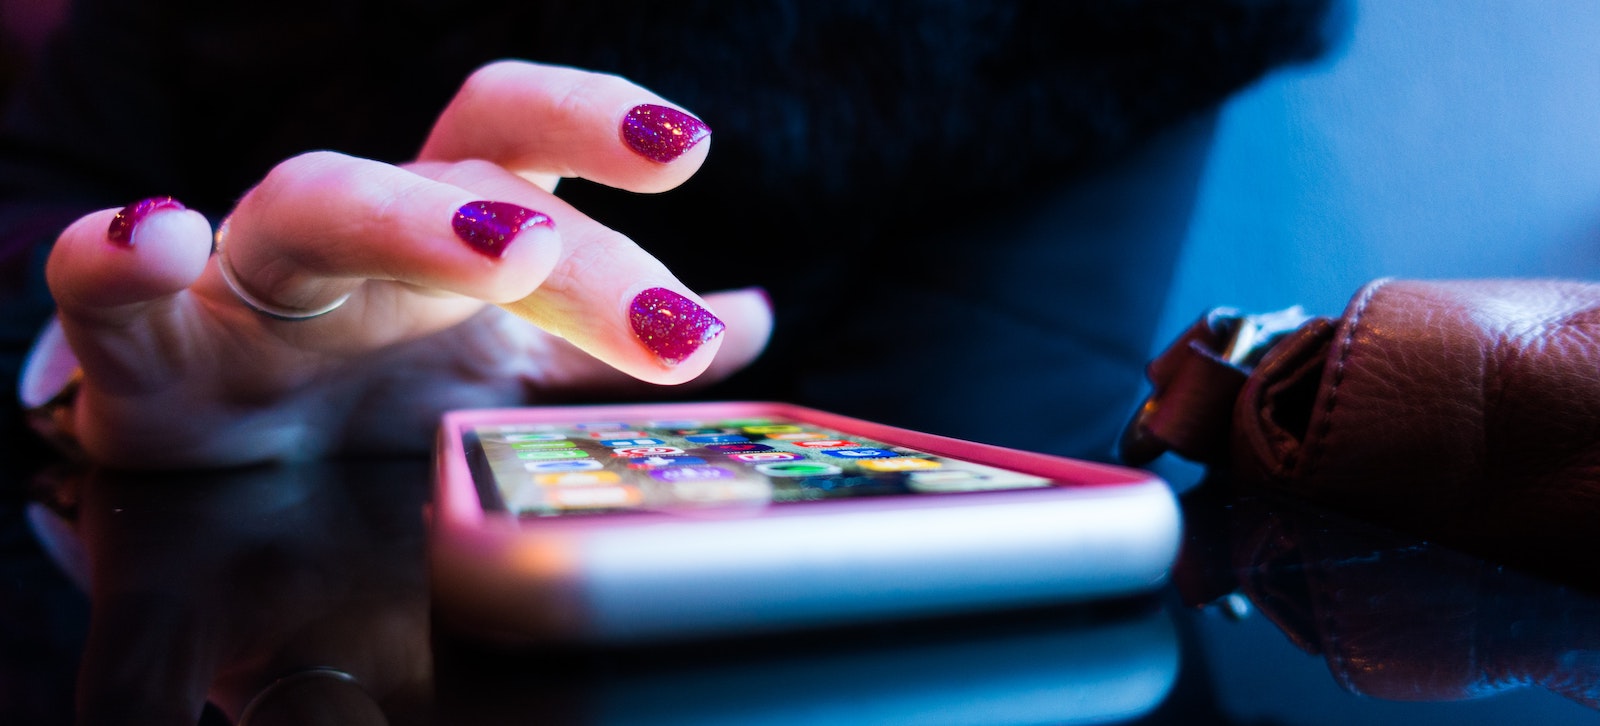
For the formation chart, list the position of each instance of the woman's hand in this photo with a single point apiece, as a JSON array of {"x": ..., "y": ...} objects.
[{"x": 193, "y": 358}]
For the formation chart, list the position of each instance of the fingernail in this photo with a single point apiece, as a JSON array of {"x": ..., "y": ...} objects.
[
  {"x": 121, "y": 231},
  {"x": 662, "y": 134},
  {"x": 489, "y": 227},
  {"x": 671, "y": 325}
]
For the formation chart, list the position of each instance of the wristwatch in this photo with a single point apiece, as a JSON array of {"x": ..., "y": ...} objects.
[{"x": 48, "y": 388}]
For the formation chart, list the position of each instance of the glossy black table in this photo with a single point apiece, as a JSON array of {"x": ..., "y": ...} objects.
[{"x": 214, "y": 586}]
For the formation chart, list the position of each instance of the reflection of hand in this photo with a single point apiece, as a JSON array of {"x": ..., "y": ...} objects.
[
  {"x": 218, "y": 586},
  {"x": 178, "y": 369},
  {"x": 1401, "y": 619}
]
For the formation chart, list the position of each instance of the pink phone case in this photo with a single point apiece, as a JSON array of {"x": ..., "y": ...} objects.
[{"x": 1097, "y": 531}]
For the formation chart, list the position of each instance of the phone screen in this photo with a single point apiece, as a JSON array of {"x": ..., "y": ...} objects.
[{"x": 594, "y": 467}]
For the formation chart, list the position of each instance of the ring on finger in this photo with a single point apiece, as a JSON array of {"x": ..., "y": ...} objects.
[{"x": 254, "y": 302}]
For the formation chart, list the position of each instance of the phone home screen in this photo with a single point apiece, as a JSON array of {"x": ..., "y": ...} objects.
[{"x": 591, "y": 467}]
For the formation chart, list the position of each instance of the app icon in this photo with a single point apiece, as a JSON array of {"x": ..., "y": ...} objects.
[
  {"x": 530, "y": 436},
  {"x": 514, "y": 428},
  {"x": 601, "y": 426},
  {"x": 900, "y": 463},
  {"x": 680, "y": 424},
  {"x": 739, "y": 423},
  {"x": 619, "y": 434},
  {"x": 656, "y": 462},
  {"x": 538, "y": 467},
  {"x": 621, "y": 443},
  {"x": 737, "y": 448},
  {"x": 637, "y": 451},
  {"x": 769, "y": 429},
  {"x": 798, "y": 436},
  {"x": 691, "y": 473},
  {"x": 860, "y": 453},
  {"x": 549, "y": 454},
  {"x": 826, "y": 444},
  {"x": 700, "y": 431},
  {"x": 534, "y": 445},
  {"x": 600, "y": 497},
  {"x": 577, "y": 478},
  {"x": 715, "y": 438},
  {"x": 798, "y": 468},
  {"x": 760, "y": 456}
]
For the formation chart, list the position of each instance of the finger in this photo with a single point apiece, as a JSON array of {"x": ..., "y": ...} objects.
[
  {"x": 606, "y": 296},
  {"x": 113, "y": 273},
  {"x": 747, "y": 313},
  {"x": 539, "y": 119},
  {"x": 322, "y": 225},
  {"x": 110, "y": 265}
]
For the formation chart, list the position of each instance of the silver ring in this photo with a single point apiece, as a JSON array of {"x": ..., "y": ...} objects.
[{"x": 276, "y": 312}]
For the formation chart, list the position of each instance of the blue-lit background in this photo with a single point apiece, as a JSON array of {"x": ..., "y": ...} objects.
[{"x": 1444, "y": 138}]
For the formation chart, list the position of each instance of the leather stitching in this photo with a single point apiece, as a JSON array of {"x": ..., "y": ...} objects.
[{"x": 1316, "y": 444}]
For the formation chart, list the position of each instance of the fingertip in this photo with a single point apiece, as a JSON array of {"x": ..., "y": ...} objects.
[
  {"x": 672, "y": 326},
  {"x": 672, "y": 144},
  {"x": 597, "y": 126},
  {"x": 142, "y": 252}
]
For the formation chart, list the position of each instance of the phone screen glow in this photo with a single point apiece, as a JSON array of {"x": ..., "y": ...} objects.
[{"x": 590, "y": 467}]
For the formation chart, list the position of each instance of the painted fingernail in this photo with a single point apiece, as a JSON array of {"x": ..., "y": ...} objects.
[
  {"x": 121, "y": 231},
  {"x": 672, "y": 326},
  {"x": 489, "y": 227},
  {"x": 662, "y": 134}
]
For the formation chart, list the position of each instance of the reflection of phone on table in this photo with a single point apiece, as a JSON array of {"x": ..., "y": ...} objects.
[{"x": 652, "y": 522}]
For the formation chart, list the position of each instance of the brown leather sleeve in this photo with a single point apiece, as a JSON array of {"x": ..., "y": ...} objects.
[
  {"x": 1468, "y": 409},
  {"x": 1466, "y": 381}
]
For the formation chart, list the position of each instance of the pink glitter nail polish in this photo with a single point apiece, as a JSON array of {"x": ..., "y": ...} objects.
[
  {"x": 672, "y": 326},
  {"x": 121, "y": 230},
  {"x": 489, "y": 227},
  {"x": 662, "y": 134}
]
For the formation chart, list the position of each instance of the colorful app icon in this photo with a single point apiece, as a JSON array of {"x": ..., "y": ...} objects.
[
  {"x": 860, "y": 453},
  {"x": 601, "y": 426},
  {"x": 536, "y": 445},
  {"x": 577, "y": 478},
  {"x": 656, "y": 462},
  {"x": 622, "y": 443},
  {"x": 691, "y": 473},
  {"x": 550, "y": 454},
  {"x": 538, "y": 467},
  {"x": 600, "y": 497},
  {"x": 737, "y": 448},
  {"x": 698, "y": 431},
  {"x": 900, "y": 463},
  {"x": 769, "y": 429},
  {"x": 515, "y": 428},
  {"x": 798, "y": 436},
  {"x": 638, "y": 451},
  {"x": 756, "y": 457},
  {"x": 739, "y": 423},
  {"x": 520, "y": 437},
  {"x": 716, "y": 438},
  {"x": 826, "y": 444},
  {"x": 798, "y": 468},
  {"x": 679, "y": 424}
]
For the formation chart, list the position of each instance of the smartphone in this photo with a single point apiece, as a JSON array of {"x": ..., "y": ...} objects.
[{"x": 644, "y": 523}]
